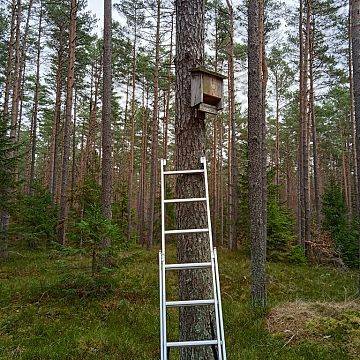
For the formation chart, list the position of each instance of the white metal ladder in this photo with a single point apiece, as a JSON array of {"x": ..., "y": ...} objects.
[{"x": 219, "y": 340}]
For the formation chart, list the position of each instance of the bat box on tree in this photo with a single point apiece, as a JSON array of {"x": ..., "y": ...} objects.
[{"x": 207, "y": 90}]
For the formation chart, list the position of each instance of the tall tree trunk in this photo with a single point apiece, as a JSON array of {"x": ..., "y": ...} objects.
[
  {"x": 304, "y": 191},
  {"x": 142, "y": 185},
  {"x": 155, "y": 130},
  {"x": 214, "y": 193},
  {"x": 352, "y": 118},
  {"x": 56, "y": 125},
  {"x": 221, "y": 182},
  {"x": 168, "y": 91},
  {"x": 9, "y": 63},
  {"x": 21, "y": 78},
  {"x": 106, "y": 189},
  {"x": 231, "y": 137},
  {"x": 277, "y": 137},
  {"x": 256, "y": 140},
  {"x": 355, "y": 41},
  {"x": 132, "y": 131},
  {"x": 17, "y": 79},
  {"x": 195, "y": 322},
  {"x": 64, "y": 206},
  {"x": 300, "y": 211},
  {"x": 313, "y": 128},
  {"x": 306, "y": 127},
  {"x": 214, "y": 179},
  {"x": 73, "y": 156},
  {"x": 35, "y": 106}
]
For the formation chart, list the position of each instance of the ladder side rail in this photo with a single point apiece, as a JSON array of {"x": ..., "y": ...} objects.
[
  {"x": 163, "y": 163},
  {"x": 213, "y": 270},
  {"x": 161, "y": 308},
  {"x": 203, "y": 160},
  {"x": 163, "y": 287},
  {"x": 220, "y": 305},
  {"x": 217, "y": 321},
  {"x": 164, "y": 305}
]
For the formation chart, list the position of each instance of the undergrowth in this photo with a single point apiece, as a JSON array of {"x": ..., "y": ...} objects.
[{"x": 51, "y": 307}]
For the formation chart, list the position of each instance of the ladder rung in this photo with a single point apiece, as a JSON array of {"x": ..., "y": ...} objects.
[
  {"x": 186, "y": 231},
  {"x": 186, "y": 266},
  {"x": 184, "y": 200},
  {"x": 178, "y": 172},
  {"x": 190, "y": 303},
  {"x": 192, "y": 343}
]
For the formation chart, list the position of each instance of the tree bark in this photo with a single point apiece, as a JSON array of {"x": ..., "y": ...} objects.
[
  {"x": 313, "y": 129},
  {"x": 64, "y": 206},
  {"x": 56, "y": 125},
  {"x": 355, "y": 42},
  {"x": 277, "y": 136},
  {"x": 155, "y": 130},
  {"x": 73, "y": 156},
  {"x": 17, "y": 79},
  {"x": 231, "y": 130},
  {"x": 107, "y": 168},
  {"x": 142, "y": 184},
  {"x": 256, "y": 139},
  {"x": 195, "y": 322},
  {"x": 168, "y": 91},
  {"x": 9, "y": 63},
  {"x": 35, "y": 106},
  {"x": 352, "y": 119},
  {"x": 132, "y": 131},
  {"x": 304, "y": 186},
  {"x": 21, "y": 79},
  {"x": 306, "y": 127}
]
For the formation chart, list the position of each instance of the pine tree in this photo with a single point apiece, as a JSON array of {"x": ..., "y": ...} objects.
[{"x": 257, "y": 160}]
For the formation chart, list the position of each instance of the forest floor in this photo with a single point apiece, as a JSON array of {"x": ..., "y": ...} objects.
[{"x": 52, "y": 308}]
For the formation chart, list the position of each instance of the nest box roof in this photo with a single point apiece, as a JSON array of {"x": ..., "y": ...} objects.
[{"x": 203, "y": 70}]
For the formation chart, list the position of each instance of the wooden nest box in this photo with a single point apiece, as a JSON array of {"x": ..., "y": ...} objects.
[{"x": 207, "y": 90}]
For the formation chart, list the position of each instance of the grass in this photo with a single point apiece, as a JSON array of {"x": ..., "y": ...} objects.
[{"x": 51, "y": 308}]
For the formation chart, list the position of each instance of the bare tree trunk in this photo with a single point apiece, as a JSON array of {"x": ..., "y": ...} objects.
[
  {"x": 352, "y": 118},
  {"x": 306, "y": 127},
  {"x": 56, "y": 125},
  {"x": 35, "y": 106},
  {"x": 9, "y": 63},
  {"x": 304, "y": 205},
  {"x": 73, "y": 164},
  {"x": 231, "y": 137},
  {"x": 168, "y": 91},
  {"x": 256, "y": 140},
  {"x": 221, "y": 183},
  {"x": 155, "y": 130},
  {"x": 300, "y": 212},
  {"x": 132, "y": 134},
  {"x": 195, "y": 322},
  {"x": 64, "y": 206},
  {"x": 277, "y": 137},
  {"x": 314, "y": 132},
  {"x": 107, "y": 168},
  {"x": 21, "y": 78},
  {"x": 17, "y": 79},
  {"x": 142, "y": 185}
]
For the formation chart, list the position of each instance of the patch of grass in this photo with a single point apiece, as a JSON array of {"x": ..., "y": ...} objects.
[{"x": 52, "y": 308}]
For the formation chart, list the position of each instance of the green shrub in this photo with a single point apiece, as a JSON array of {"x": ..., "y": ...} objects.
[
  {"x": 280, "y": 226},
  {"x": 94, "y": 228},
  {"x": 297, "y": 255},
  {"x": 344, "y": 232},
  {"x": 34, "y": 218},
  {"x": 96, "y": 232}
]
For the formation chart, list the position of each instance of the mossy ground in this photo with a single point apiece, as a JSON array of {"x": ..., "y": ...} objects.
[{"x": 52, "y": 308}]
